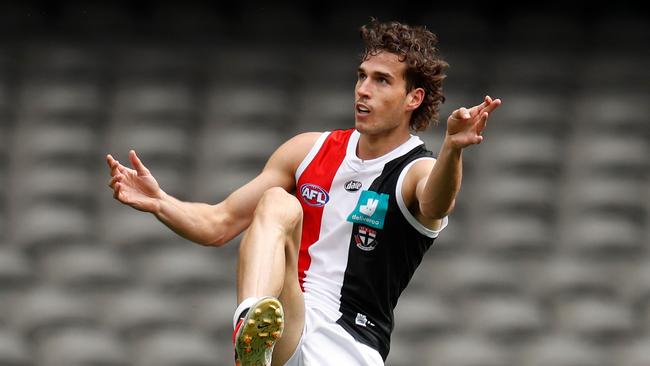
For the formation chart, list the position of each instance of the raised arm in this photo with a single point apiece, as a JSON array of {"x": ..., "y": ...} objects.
[
  {"x": 430, "y": 187},
  {"x": 204, "y": 223}
]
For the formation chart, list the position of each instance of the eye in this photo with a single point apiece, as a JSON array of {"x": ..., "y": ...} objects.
[{"x": 361, "y": 76}]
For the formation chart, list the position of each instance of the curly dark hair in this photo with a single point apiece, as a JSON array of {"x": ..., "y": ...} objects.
[{"x": 416, "y": 46}]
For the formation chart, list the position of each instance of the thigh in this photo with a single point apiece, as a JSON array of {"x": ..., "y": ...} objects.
[{"x": 292, "y": 301}]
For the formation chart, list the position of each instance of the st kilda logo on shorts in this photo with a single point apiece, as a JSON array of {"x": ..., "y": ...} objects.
[
  {"x": 314, "y": 195},
  {"x": 365, "y": 238},
  {"x": 352, "y": 185}
]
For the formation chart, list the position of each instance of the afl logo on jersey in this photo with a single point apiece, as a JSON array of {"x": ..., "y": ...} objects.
[
  {"x": 352, "y": 186},
  {"x": 314, "y": 195}
]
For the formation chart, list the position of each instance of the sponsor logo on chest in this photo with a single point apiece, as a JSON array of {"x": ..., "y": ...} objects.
[
  {"x": 370, "y": 210},
  {"x": 314, "y": 195},
  {"x": 352, "y": 185}
]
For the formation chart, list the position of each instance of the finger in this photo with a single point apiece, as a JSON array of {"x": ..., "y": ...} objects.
[
  {"x": 480, "y": 125},
  {"x": 461, "y": 113},
  {"x": 494, "y": 105},
  {"x": 136, "y": 163},
  {"x": 487, "y": 103},
  {"x": 475, "y": 110},
  {"x": 115, "y": 166},
  {"x": 115, "y": 179},
  {"x": 112, "y": 163},
  {"x": 116, "y": 191}
]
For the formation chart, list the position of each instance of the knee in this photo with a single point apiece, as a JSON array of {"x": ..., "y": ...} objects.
[{"x": 279, "y": 204}]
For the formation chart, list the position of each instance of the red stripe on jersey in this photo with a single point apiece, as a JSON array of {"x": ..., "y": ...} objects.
[{"x": 318, "y": 174}]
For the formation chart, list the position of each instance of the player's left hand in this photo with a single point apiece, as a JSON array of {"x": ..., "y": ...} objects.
[{"x": 465, "y": 126}]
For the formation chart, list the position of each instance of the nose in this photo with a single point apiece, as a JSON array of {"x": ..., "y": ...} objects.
[{"x": 363, "y": 90}]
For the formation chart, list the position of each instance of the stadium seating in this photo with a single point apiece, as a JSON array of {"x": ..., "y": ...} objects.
[
  {"x": 466, "y": 350},
  {"x": 138, "y": 313},
  {"x": 562, "y": 350},
  {"x": 86, "y": 269},
  {"x": 636, "y": 353},
  {"x": 510, "y": 320},
  {"x": 544, "y": 261},
  {"x": 46, "y": 311},
  {"x": 176, "y": 347},
  {"x": 80, "y": 347},
  {"x": 14, "y": 350}
]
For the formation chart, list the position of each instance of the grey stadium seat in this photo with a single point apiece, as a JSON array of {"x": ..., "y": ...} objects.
[
  {"x": 87, "y": 269},
  {"x": 63, "y": 140},
  {"x": 565, "y": 277},
  {"x": 603, "y": 321},
  {"x": 14, "y": 350},
  {"x": 178, "y": 348},
  {"x": 562, "y": 350},
  {"x": 45, "y": 311},
  {"x": 70, "y": 60},
  {"x": 48, "y": 225},
  {"x": 514, "y": 233},
  {"x": 601, "y": 235},
  {"x": 523, "y": 152},
  {"x": 321, "y": 109},
  {"x": 612, "y": 111},
  {"x": 62, "y": 183},
  {"x": 129, "y": 231},
  {"x": 421, "y": 318},
  {"x": 509, "y": 319},
  {"x": 603, "y": 154},
  {"x": 247, "y": 104},
  {"x": 154, "y": 142},
  {"x": 635, "y": 353},
  {"x": 82, "y": 347},
  {"x": 466, "y": 350},
  {"x": 184, "y": 269},
  {"x": 615, "y": 194},
  {"x": 138, "y": 313},
  {"x": 213, "y": 314},
  {"x": 16, "y": 270},
  {"x": 240, "y": 64},
  {"x": 516, "y": 193},
  {"x": 153, "y": 99},
  {"x": 175, "y": 63},
  {"x": 466, "y": 275},
  {"x": 53, "y": 98}
]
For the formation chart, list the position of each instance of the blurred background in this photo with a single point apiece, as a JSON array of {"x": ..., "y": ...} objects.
[{"x": 545, "y": 261}]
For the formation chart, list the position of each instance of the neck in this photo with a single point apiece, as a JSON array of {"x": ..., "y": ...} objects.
[{"x": 374, "y": 146}]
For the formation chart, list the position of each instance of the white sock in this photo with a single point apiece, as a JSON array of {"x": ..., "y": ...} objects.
[{"x": 247, "y": 303}]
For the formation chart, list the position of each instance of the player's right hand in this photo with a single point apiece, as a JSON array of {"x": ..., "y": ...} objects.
[{"x": 134, "y": 187}]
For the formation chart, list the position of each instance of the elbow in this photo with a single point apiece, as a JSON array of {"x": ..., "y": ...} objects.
[
  {"x": 217, "y": 241},
  {"x": 437, "y": 212}
]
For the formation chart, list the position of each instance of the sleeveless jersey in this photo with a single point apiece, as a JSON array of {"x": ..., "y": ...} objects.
[{"x": 360, "y": 245}]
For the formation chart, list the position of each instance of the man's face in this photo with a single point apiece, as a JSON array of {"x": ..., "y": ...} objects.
[{"x": 380, "y": 95}]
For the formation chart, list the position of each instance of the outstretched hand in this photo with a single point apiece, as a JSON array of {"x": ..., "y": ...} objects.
[
  {"x": 134, "y": 187},
  {"x": 465, "y": 126}
]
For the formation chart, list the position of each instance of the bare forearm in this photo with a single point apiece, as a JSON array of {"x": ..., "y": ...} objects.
[
  {"x": 198, "y": 222},
  {"x": 443, "y": 184}
]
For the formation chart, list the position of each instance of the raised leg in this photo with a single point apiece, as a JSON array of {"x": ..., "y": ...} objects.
[{"x": 268, "y": 264}]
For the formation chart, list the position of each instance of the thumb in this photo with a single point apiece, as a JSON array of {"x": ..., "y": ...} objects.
[{"x": 137, "y": 164}]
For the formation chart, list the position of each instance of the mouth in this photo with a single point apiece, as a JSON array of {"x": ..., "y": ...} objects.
[{"x": 362, "y": 109}]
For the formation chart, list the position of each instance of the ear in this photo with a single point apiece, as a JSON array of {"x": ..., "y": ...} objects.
[{"x": 414, "y": 98}]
